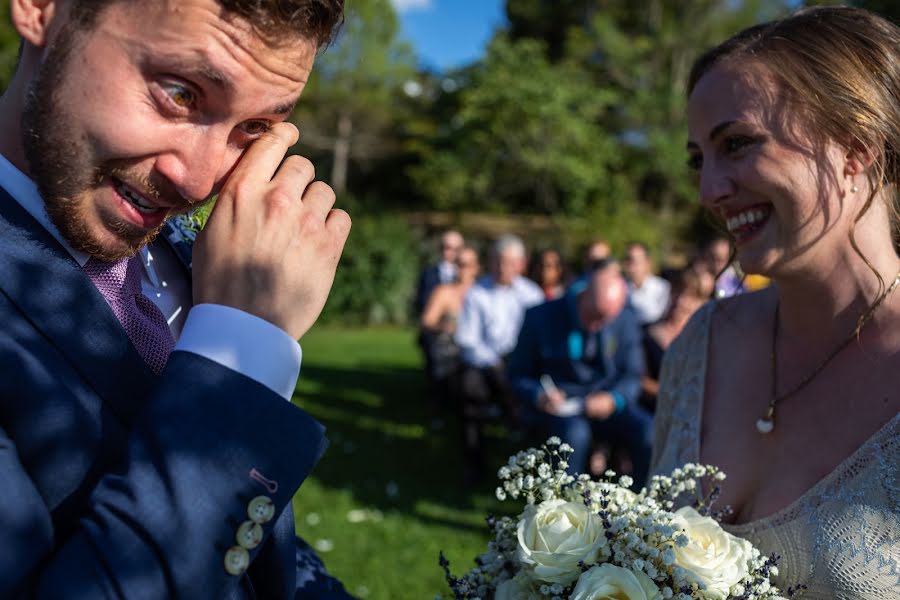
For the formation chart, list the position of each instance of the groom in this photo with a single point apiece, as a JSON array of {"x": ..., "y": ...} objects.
[{"x": 148, "y": 446}]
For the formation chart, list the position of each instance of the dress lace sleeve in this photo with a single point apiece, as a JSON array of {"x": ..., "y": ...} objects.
[{"x": 680, "y": 394}]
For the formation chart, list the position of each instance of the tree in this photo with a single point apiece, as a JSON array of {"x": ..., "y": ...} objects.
[
  {"x": 347, "y": 113},
  {"x": 644, "y": 49},
  {"x": 9, "y": 46},
  {"x": 525, "y": 137}
]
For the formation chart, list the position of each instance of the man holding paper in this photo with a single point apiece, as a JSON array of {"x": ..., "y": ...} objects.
[{"x": 577, "y": 369}]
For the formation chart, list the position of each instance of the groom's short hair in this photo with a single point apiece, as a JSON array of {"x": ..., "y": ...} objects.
[{"x": 272, "y": 20}]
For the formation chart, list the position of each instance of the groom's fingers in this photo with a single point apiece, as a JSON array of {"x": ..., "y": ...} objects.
[{"x": 257, "y": 167}]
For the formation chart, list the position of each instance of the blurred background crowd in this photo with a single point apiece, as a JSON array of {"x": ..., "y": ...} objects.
[{"x": 548, "y": 345}]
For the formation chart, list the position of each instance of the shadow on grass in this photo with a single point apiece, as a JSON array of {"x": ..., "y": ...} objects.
[{"x": 390, "y": 452}]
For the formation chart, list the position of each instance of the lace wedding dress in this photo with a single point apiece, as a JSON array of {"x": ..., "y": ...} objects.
[{"x": 842, "y": 537}]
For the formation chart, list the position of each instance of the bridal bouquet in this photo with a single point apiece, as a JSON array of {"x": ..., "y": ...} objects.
[{"x": 579, "y": 539}]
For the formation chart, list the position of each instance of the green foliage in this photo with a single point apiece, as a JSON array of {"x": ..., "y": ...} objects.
[
  {"x": 376, "y": 277},
  {"x": 525, "y": 137},
  {"x": 9, "y": 46},
  {"x": 352, "y": 104}
]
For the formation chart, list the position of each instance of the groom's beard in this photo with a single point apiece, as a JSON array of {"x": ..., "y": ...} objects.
[{"x": 60, "y": 161}]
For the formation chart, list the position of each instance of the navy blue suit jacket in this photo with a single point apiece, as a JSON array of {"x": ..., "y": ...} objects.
[
  {"x": 552, "y": 342},
  {"x": 118, "y": 483},
  {"x": 428, "y": 280}
]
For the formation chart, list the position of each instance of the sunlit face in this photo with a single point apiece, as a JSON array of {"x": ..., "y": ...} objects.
[
  {"x": 550, "y": 269},
  {"x": 509, "y": 265},
  {"x": 147, "y": 113},
  {"x": 451, "y": 244},
  {"x": 467, "y": 265},
  {"x": 636, "y": 264},
  {"x": 597, "y": 251},
  {"x": 718, "y": 254},
  {"x": 778, "y": 189}
]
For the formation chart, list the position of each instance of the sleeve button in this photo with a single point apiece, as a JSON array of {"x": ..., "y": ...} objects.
[
  {"x": 236, "y": 560},
  {"x": 261, "y": 510},
  {"x": 249, "y": 535}
]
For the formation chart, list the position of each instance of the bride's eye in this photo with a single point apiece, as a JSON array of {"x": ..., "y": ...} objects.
[{"x": 734, "y": 143}]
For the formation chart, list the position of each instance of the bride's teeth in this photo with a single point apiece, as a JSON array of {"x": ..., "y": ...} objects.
[{"x": 750, "y": 217}]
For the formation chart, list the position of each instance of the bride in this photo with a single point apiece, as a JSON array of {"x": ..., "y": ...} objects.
[{"x": 794, "y": 391}]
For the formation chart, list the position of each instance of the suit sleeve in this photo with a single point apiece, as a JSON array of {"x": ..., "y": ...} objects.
[
  {"x": 160, "y": 521},
  {"x": 524, "y": 361},
  {"x": 423, "y": 290}
]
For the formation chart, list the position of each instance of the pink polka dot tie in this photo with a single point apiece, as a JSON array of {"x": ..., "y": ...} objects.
[{"x": 120, "y": 284}]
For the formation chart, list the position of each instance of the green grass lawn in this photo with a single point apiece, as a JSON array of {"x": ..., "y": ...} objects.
[{"x": 387, "y": 496}]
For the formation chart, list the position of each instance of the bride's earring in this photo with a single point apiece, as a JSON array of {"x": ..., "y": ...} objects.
[{"x": 854, "y": 189}]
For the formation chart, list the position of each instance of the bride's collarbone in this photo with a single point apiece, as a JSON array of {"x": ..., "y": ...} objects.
[{"x": 815, "y": 430}]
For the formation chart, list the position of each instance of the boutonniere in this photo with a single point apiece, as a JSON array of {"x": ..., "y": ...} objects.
[{"x": 184, "y": 228}]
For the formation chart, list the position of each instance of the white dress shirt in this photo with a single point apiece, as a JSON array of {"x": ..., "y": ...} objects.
[
  {"x": 492, "y": 314},
  {"x": 447, "y": 272},
  {"x": 651, "y": 300},
  {"x": 233, "y": 338}
]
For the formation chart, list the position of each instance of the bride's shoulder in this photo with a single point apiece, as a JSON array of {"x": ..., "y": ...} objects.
[
  {"x": 719, "y": 322},
  {"x": 737, "y": 315}
]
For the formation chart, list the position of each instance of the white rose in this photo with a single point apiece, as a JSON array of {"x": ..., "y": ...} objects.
[
  {"x": 555, "y": 536},
  {"x": 712, "y": 556},
  {"x": 609, "y": 581}
]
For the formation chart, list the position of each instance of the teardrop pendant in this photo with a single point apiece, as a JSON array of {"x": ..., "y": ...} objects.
[{"x": 765, "y": 425}]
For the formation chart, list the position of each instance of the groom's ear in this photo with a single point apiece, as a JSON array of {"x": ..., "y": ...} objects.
[{"x": 33, "y": 19}]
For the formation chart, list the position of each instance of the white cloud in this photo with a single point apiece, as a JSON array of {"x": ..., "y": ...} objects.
[{"x": 409, "y": 5}]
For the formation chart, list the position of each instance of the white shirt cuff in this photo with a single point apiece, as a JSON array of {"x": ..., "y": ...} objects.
[{"x": 244, "y": 343}]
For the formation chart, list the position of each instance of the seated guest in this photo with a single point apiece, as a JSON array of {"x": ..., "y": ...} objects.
[
  {"x": 442, "y": 272},
  {"x": 718, "y": 256},
  {"x": 438, "y": 323},
  {"x": 549, "y": 271},
  {"x": 690, "y": 290},
  {"x": 576, "y": 371},
  {"x": 486, "y": 332},
  {"x": 648, "y": 293},
  {"x": 594, "y": 251}
]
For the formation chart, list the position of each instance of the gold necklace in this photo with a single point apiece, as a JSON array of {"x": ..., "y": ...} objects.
[{"x": 766, "y": 423}]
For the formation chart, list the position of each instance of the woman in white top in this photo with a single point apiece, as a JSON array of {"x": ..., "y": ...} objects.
[{"x": 794, "y": 391}]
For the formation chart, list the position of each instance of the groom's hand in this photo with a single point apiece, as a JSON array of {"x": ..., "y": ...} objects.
[{"x": 273, "y": 240}]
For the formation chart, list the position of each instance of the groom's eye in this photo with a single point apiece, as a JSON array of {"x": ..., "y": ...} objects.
[{"x": 179, "y": 94}]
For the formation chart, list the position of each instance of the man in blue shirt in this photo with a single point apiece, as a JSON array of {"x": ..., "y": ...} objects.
[
  {"x": 486, "y": 333},
  {"x": 577, "y": 370}
]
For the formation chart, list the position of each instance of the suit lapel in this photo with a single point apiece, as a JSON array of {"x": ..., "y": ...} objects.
[{"x": 52, "y": 292}]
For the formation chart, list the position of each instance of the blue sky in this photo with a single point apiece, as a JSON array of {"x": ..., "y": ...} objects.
[{"x": 449, "y": 33}]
